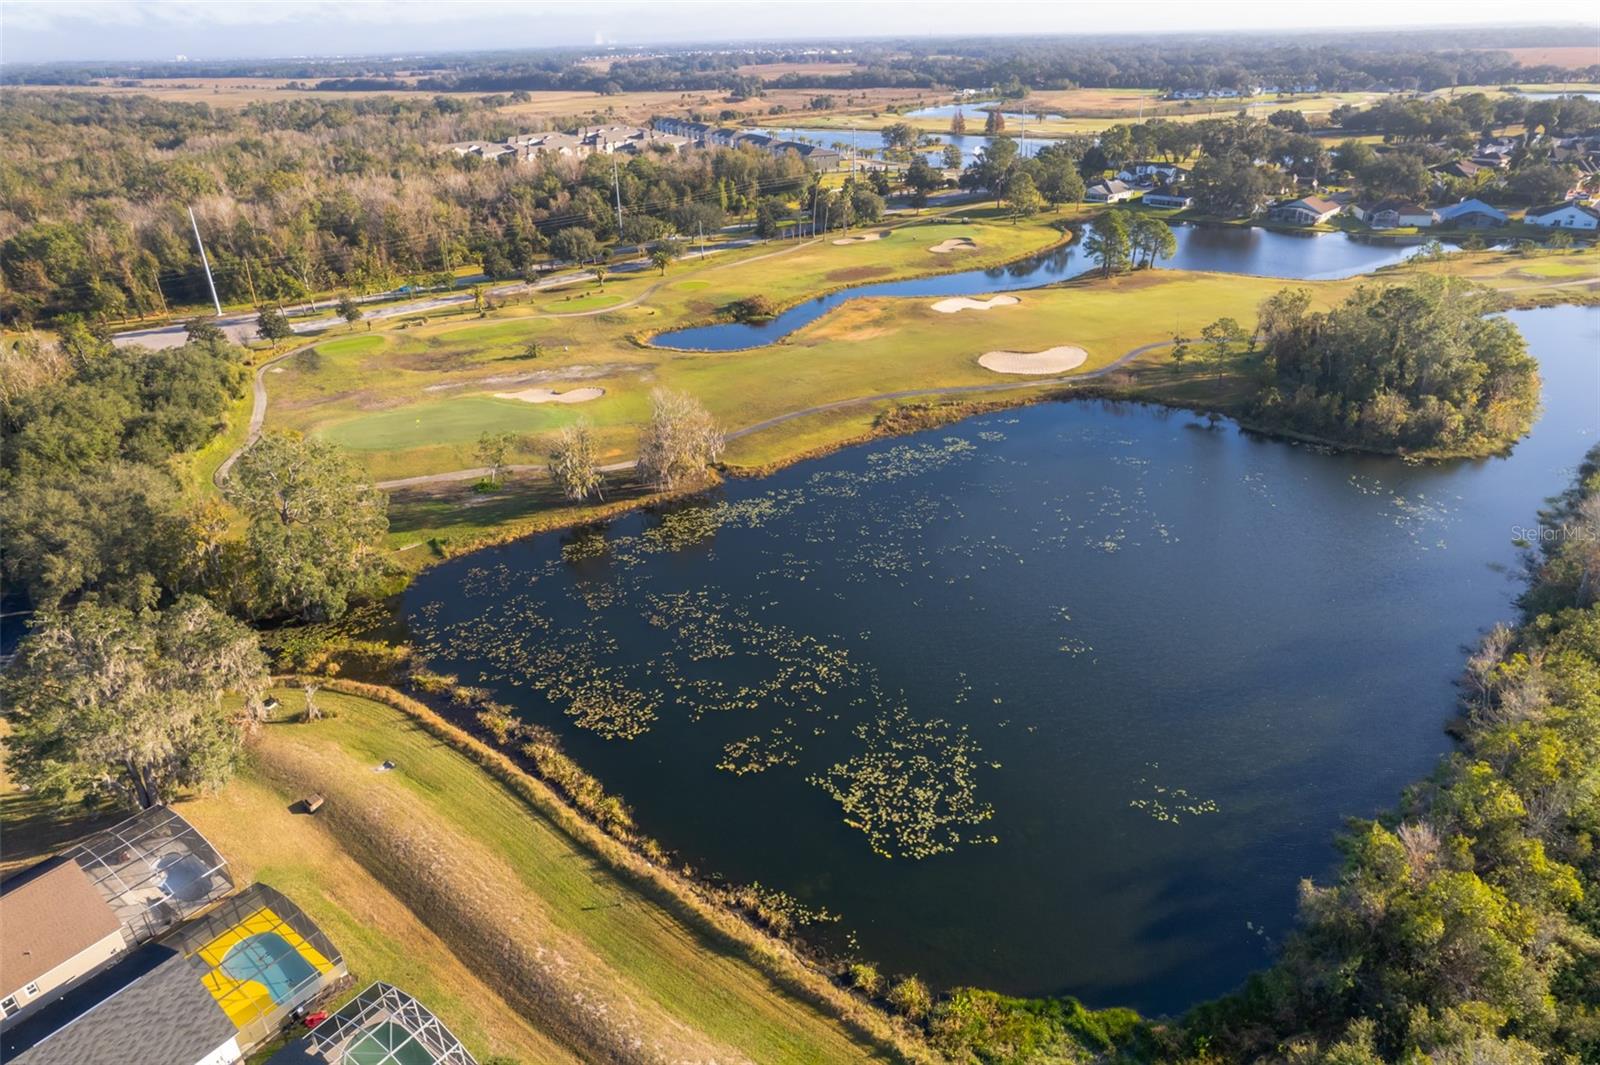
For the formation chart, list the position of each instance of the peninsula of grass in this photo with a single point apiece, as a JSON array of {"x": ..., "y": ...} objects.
[{"x": 529, "y": 932}]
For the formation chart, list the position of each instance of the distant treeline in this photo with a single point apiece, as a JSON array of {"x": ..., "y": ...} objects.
[{"x": 1333, "y": 61}]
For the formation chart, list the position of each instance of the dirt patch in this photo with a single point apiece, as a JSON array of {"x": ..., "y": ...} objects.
[
  {"x": 1569, "y": 56},
  {"x": 862, "y": 238},
  {"x": 545, "y": 395},
  {"x": 859, "y": 273},
  {"x": 967, "y": 303},
  {"x": 950, "y": 244},
  {"x": 1050, "y": 360}
]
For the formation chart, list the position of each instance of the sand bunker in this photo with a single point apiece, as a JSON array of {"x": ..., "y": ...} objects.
[
  {"x": 1050, "y": 360},
  {"x": 545, "y": 395},
  {"x": 950, "y": 244},
  {"x": 967, "y": 303},
  {"x": 862, "y": 237}
]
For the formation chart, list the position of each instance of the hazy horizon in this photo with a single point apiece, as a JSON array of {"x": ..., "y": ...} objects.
[{"x": 162, "y": 30}]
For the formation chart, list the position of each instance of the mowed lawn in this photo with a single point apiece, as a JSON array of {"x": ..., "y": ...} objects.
[
  {"x": 525, "y": 939},
  {"x": 415, "y": 400}
]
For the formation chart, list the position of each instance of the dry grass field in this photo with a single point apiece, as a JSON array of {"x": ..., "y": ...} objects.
[
  {"x": 1571, "y": 56},
  {"x": 629, "y": 106}
]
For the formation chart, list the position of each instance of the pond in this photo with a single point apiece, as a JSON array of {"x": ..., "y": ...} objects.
[
  {"x": 975, "y": 111},
  {"x": 1064, "y": 699},
  {"x": 1225, "y": 249},
  {"x": 865, "y": 139}
]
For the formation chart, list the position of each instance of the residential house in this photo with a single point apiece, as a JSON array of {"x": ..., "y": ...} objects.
[
  {"x": 814, "y": 155},
  {"x": 58, "y": 930},
  {"x": 151, "y": 1006},
  {"x": 1148, "y": 173},
  {"x": 1170, "y": 197},
  {"x": 1573, "y": 214},
  {"x": 1472, "y": 214},
  {"x": 1306, "y": 211},
  {"x": 755, "y": 140},
  {"x": 1394, "y": 214},
  {"x": 682, "y": 127},
  {"x": 1112, "y": 191},
  {"x": 1459, "y": 168},
  {"x": 722, "y": 137}
]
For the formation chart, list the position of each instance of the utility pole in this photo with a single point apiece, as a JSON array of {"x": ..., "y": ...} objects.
[
  {"x": 206, "y": 263},
  {"x": 616, "y": 187}
]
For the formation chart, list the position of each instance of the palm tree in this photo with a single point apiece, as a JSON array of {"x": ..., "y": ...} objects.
[
  {"x": 600, "y": 272},
  {"x": 661, "y": 257}
]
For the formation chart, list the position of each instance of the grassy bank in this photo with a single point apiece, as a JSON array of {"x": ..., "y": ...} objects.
[{"x": 528, "y": 931}]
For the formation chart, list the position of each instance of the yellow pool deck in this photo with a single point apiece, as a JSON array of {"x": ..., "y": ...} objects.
[{"x": 245, "y": 1001}]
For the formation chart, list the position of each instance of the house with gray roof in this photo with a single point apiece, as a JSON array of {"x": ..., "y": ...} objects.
[{"x": 150, "y": 1008}]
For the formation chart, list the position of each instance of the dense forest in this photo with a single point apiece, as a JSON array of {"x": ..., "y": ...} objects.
[
  {"x": 1420, "y": 366},
  {"x": 299, "y": 197},
  {"x": 1332, "y": 60}
]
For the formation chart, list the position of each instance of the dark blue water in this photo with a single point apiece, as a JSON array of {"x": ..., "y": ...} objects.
[
  {"x": 1223, "y": 249},
  {"x": 1142, "y": 668}
]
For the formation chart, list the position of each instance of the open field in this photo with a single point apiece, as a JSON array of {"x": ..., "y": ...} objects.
[
  {"x": 1571, "y": 56},
  {"x": 526, "y": 936},
  {"x": 544, "y": 105}
]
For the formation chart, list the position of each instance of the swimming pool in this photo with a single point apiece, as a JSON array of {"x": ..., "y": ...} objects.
[{"x": 271, "y": 961}]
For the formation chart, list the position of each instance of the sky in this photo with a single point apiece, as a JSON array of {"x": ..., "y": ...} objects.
[{"x": 51, "y": 30}]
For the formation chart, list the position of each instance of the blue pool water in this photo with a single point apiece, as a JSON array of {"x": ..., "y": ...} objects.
[{"x": 269, "y": 960}]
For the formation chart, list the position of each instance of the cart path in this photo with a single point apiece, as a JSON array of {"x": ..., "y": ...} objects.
[{"x": 477, "y": 473}]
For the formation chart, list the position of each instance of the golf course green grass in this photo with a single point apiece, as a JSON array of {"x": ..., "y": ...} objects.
[{"x": 412, "y": 402}]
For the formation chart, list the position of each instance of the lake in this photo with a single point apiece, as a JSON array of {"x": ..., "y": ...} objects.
[
  {"x": 1223, "y": 249},
  {"x": 863, "y": 139},
  {"x": 1064, "y": 699}
]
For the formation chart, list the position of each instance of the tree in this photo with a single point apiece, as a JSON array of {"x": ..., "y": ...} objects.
[
  {"x": 1023, "y": 197},
  {"x": 600, "y": 270},
  {"x": 204, "y": 331},
  {"x": 661, "y": 256},
  {"x": 315, "y": 526},
  {"x": 958, "y": 124},
  {"x": 105, "y": 532},
  {"x": 349, "y": 309},
  {"x": 899, "y": 136},
  {"x": 1228, "y": 186},
  {"x": 492, "y": 451},
  {"x": 952, "y": 157},
  {"x": 921, "y": 179},
  {"x": 1059, "y": 180},
  {"x": 1221, "y": 337},
  {"x": 994, "y": 122},
  {"x": 1541, "y": 182},
  {"x": 1108, "y": 242},
  {"x": 1291, "y": 120},
  {"x": 574, "y": 464},
  {"x": 1152, "y": 238},
  {"x": 313, "y": 708},
  {"x": 272, "y": 324},
  {"x": 679, "y": 441},
  {"x": 134, "y": 703},
  {"x": 574, "y": 244}
]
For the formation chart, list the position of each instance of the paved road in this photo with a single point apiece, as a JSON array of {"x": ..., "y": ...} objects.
[{"x": 241, "y": 327}]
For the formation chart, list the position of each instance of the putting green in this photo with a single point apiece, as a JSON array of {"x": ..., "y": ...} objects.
[{"x": 450, "y": 421}]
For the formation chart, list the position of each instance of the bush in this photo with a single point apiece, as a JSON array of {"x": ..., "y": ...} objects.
[
  {"x": 752, "y": 309},
  {"x": 910, "y": 996},
  {"x": 865, "y": 978}
]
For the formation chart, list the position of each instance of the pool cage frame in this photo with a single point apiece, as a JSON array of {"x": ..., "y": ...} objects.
[
  {"x": 195, "y": 936},
  {"x": 382, "y": 1003},
  {"x": 125, "y": 864}
]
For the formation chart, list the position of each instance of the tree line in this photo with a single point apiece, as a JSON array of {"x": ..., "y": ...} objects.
[{"x": 303, "y": 197}]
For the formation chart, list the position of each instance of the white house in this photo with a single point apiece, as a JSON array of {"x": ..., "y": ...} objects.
[
  {"x": 1569, "y": 215},
  {"x": 1307, "y": 211},
  {"x": 1112, "y": 191},
  {"x": 1472, "y": 213},
  {"x": 1394, "y": 214}
]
